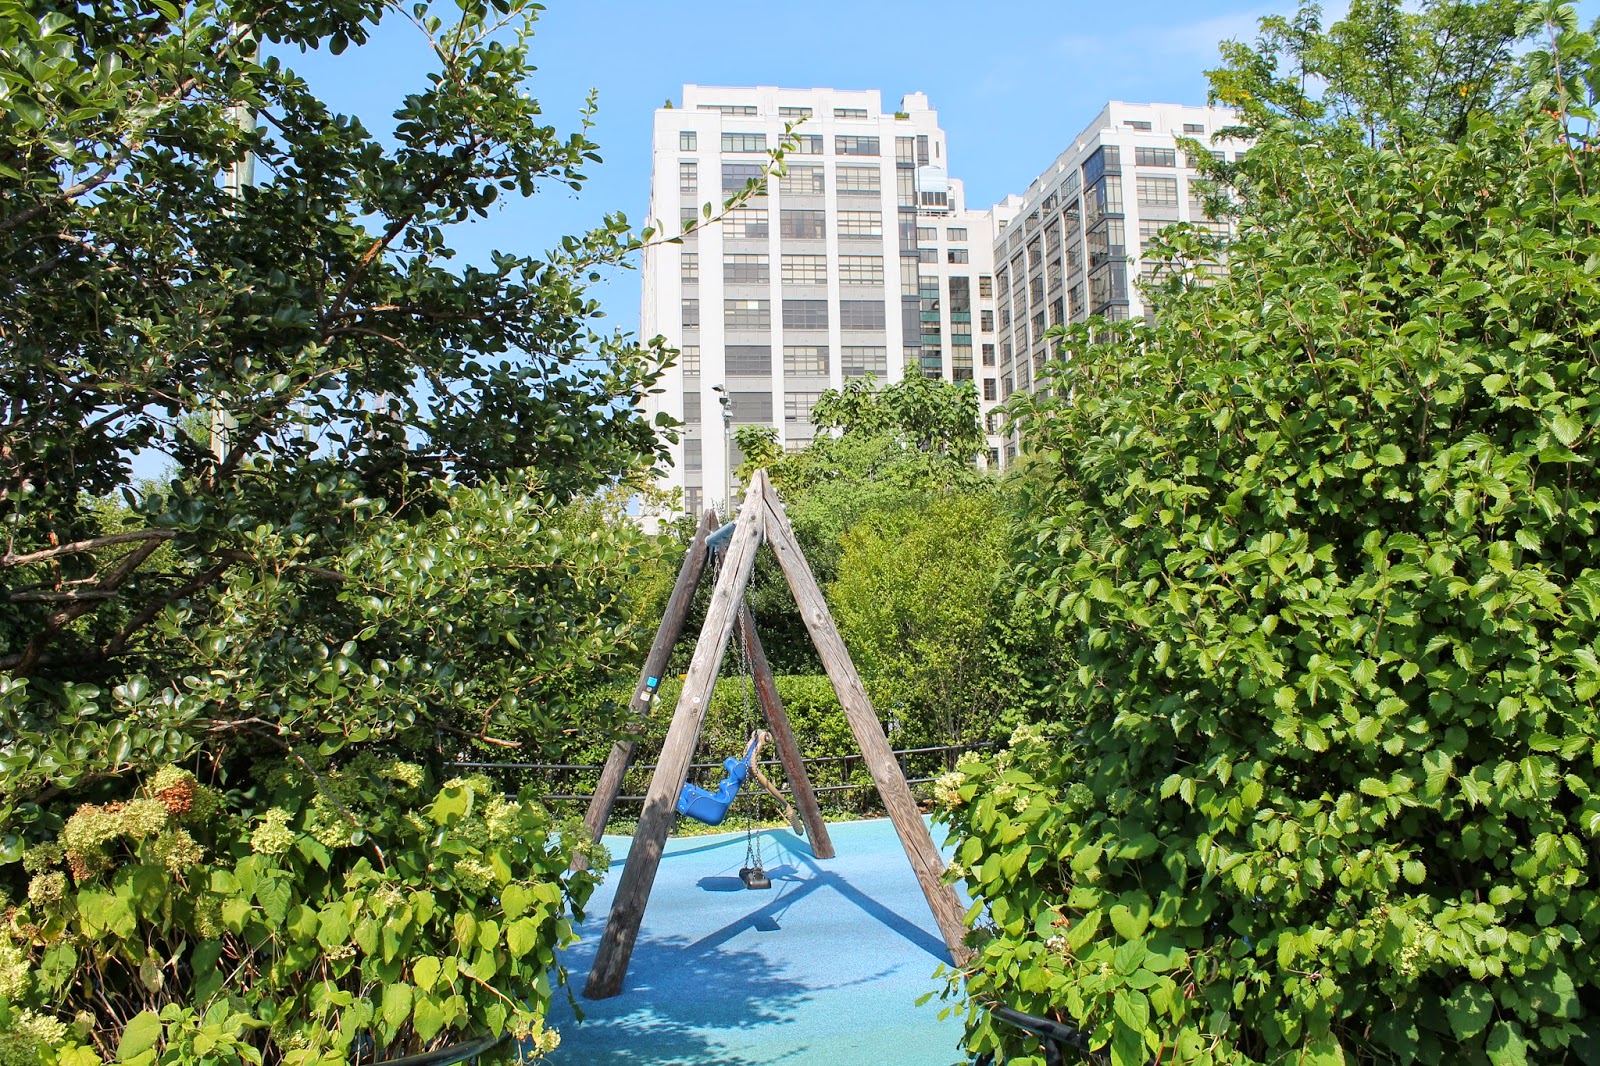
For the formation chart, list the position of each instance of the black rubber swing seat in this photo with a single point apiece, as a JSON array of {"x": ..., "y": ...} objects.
[{"x": 754, "y": 877}]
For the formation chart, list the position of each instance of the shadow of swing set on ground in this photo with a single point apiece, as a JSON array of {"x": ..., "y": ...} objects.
[{"x": 823, "y": 970}]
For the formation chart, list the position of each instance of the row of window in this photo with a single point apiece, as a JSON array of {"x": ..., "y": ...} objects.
[
  {"x": 756, "y": 269},
  {"x": 799, "y": 179},
  {"x": 809, "y": 144},
  {"x": 811, "y": 360},
  {"x": 797, "y": 314},
  {"x": 783, "y": 112},
  {"x": 800, "y": 223}
]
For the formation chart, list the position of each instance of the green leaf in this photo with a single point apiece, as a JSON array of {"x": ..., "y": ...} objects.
[
  {"x": 427, "y": 1017},
  {"x": 1469, "y": 1010},
  {"x": 142, "y": 1033},
  {"x": 1388, "y": 455},
  {"x": 522, "y": 936},
  {"x": 425, "y": 971},
  {"x": 396, "y": 1005},
  {"x": 1506, "y": 1046}
]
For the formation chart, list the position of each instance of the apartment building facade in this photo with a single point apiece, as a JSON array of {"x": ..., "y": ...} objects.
[
  {"x": 1073, "y": 244},
  {"x": 862, "y": 258}
]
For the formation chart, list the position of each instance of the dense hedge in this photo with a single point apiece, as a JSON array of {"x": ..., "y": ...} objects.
[{"x": 1322, "y": 542}]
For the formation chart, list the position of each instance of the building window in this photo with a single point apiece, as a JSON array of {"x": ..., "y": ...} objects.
[
  {"x": 687, "y": 141},
  {"x": 843, "y": 145},
  {"x": 744, "y": 142},
  {"x": 861, "y": 224},
  {"x": 689, "y": 358},
  {"x": 794, "y": 112},
  {"x": 688, "y": 178},
  {"x": 805, "y": 314},
  {"x": 861, "y": 270},
  {"x": 803, "y": 225},
  {"x": 807, "y": 144},
  {"x": 905, "y": 151},
  {"x": 728, "y": 109},
  {"x": 988, "y": 355},
  {"x": 747, "y": 314},
  {"x": 803, "y": 180},
  {"x": 927, "y": 255},
  {"x": 797, "y": 406},
  {"x": 805, "y": 359},
  {"x": 860, "y": 179},
  {"x": 1155, "y": 157},
  {"x": 736, "y": 177},
  {"x": 748, "y": 359},
  {"x": 1136, "y": 124},
  {"x": 691, "y": 314},
  {"x": 956, "y": 233},
  {"x": 688, "y": 215},
  {"x": 934, "y": 199},
  {"x": 750, "y": 406},
  {"x": 1157, "y": 192},
  {"x": 745, "y": 222},
  {"x": 689, "y": 266},
  {"x": 960, "y": 373},
  {"x": 927, "y": 234},
  {"x": 861, "y": 314},
  {"x": 805, "y": 269},
  {"x": 986, "y": 286},
  {"x": 856, "y": 361},
  {"x": 986, "y": 321},
  {"x": 692, "y": 453},
  {"x": 850, "y": 112},
  {"x": 1148, "y": 228},
  {"x": 746, "y": 270},
  {"x": 691, "y": 408},
  {"x": 956, "y": 255},
  {"x": 1193, "y": 127}
]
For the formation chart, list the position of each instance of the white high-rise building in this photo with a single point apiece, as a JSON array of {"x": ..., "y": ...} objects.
[
  {"x": 861, "y": 259},
  {"x": 1073, "y": 245}
]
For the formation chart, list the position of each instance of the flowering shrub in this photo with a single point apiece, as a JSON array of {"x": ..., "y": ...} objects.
[{"x": 360, "y": 912}]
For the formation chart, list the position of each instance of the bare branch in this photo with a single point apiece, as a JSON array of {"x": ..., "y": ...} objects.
[{"x": 93, "y": 543}]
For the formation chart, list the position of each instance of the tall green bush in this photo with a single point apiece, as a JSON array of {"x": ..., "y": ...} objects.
[{"x": 1321, "y": 544}]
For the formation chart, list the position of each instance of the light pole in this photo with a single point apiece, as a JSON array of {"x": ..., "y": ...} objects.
[{"x": 727, "y": 450}]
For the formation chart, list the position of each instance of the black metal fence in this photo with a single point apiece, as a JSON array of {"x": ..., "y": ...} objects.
[{"x": 840, "y": 781}]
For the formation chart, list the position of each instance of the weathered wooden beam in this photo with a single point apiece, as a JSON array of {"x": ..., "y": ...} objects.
[
  {"x": 655, "y": 821},
  {"x": 621, "y": 757},
  {"x": 805, "y": 798},
  {"x": 886, "y": 773}
]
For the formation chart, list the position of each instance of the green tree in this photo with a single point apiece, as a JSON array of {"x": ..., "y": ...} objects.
[
  {"x": 1318, "y": 543},
  {"x": 382, "y": 531},
  {"x": 916, "y": 596}
]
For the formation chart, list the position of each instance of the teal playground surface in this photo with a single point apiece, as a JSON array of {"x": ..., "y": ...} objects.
[{"x": 823, "y": 969}]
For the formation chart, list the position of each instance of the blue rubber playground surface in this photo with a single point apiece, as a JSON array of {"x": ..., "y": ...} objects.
[{"x": 824, "y": 969}]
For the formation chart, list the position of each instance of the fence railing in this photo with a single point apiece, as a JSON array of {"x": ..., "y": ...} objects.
[{"x": 921, "y": 766}]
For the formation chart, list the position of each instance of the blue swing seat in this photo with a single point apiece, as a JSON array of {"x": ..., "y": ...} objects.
[{"x": 712, "y": 807}]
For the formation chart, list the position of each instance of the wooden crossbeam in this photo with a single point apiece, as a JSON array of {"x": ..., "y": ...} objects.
[
  {"x": 655, "y": 821},
  {"x": 875, "y": 749},
  {"x": 621, "y": 757},
  {"x": 805, "y": 797}
]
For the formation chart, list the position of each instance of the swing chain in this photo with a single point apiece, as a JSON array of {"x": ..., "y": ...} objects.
[{"x": 752, "y": 837}]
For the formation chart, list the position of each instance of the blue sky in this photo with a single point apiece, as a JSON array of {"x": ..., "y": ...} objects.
[{"x": 1012, "y": 81}]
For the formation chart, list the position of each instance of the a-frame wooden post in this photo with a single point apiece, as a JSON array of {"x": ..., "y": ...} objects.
[
  {"x": 805, "y": 798},
  {"x": 762, "y": 516},
  {"x": 621, "y": 757},
  {"x": 875, "y": 749},
  {"x": 655, "y": 821}
]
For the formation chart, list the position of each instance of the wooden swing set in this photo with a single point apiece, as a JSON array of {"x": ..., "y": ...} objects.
[{"x": 761, "y": 519}]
